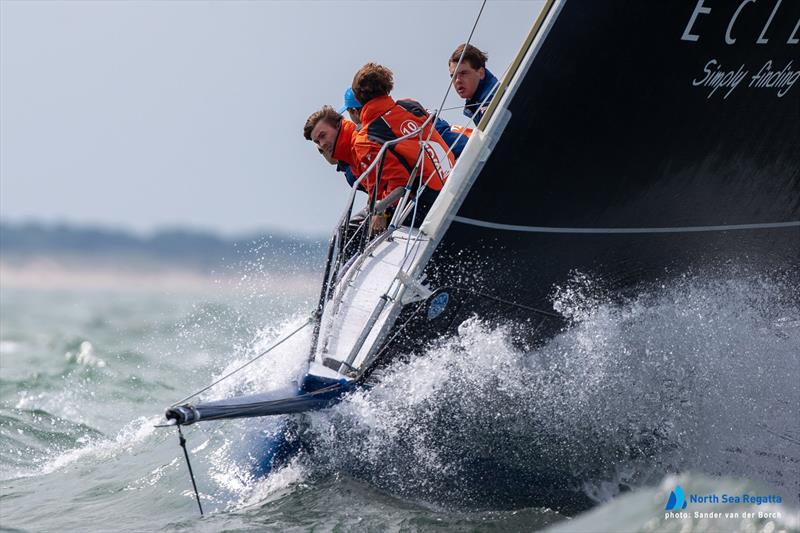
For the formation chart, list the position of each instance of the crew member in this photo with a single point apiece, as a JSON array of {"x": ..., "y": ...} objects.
[
  {"x": 334, "y": 138},
  {"x": 456, "y": 137},
  {"x": 382, "y": 120},
  {"x": 472, "y": 80}
]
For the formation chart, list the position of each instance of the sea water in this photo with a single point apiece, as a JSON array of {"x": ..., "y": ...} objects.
[{"x": 691, "y": 385}]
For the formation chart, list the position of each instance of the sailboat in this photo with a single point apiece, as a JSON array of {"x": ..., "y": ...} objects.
[{"x": 629, "y": 141}]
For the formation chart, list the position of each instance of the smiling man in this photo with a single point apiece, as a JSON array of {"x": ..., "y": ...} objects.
[{"x": 472, "y": 80}]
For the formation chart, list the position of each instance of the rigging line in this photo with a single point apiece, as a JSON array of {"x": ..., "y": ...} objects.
[
  {"x": 391, "y": 339},
  {"x": 441, "y": 107},
  {"x": 182, "y": 442},
  {"x": 438, "y": 110},
  {"x": 433, "y": 126},
  {"x": 501, "y": 300},
  {"x": 416, "y": 239},
  {"x": 460, "y": 59},
  {"x": 489, "y": 96},
  {"x": 486, "y": 98},
  {"x": 421, "y": 164},
  {"x": 398, "y": 218},
  {"x": 251, "y": 361},
  {"x": 355, "y": 233}
]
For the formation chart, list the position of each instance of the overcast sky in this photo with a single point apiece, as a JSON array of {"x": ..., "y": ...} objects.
[{"x": 143, "y": 115}]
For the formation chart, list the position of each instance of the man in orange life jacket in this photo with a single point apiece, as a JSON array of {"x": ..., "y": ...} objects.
[
  {"x": 383, "y": 120},
  {"x": 455, "y": 136},
  {"x": 334, "y": 138}
]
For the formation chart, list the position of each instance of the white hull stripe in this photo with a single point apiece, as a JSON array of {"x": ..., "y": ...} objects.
[{"x": 688, "y": 229}]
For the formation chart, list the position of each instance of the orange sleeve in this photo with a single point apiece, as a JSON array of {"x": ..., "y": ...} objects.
[{"x": 365, "y": 152}]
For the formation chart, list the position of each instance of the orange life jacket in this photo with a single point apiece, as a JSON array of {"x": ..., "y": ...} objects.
[
  {"x": 382, "y": 120},
  {"x": 343, "y": 149},
  {"x": 455, "y": 128}
]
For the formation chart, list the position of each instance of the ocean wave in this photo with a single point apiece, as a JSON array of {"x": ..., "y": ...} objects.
[
  {"x": 701, "y": 375},
  {"x": 94, "y": 449},
  {"x": 697, "y": 377},
  {"x": 644, "y": 510}
]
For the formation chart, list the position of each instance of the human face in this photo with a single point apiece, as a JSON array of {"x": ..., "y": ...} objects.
[
  {"x": 466, "y": 80},
  {"x": 324, "y": 136}
]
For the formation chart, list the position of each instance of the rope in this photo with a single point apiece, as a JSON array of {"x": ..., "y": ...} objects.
[
  {"x": 251, "y": 361},
  {"x": 182, "y": 442},
  {"x": 430, "y": 122},
  {"x": 453, "y": 77},
  {"x": 436, "y": 114},
  {"x": 439, "y": 109}
]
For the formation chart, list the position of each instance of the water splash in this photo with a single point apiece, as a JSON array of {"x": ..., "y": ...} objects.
[
  {"x": 643, "y": 510},
  {"x": 232, "y": 458},
  {"x": 696, "y": 376},
  {"x": 700, "y": 375},
  {"x": 280, "y": 368},
  {"x": 85, "y": 356}
]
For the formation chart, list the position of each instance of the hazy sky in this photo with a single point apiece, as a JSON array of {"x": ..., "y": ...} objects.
[{"x": 154, "y": 114}]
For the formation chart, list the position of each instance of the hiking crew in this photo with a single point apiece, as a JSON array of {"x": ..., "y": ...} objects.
[
  {"x": 382, "y": 120},
  {"x": 472, "y": 81},
  {"x": 334, "y": 139}
]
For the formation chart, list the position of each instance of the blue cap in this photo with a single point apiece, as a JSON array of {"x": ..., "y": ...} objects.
[{"x": 350, "y": 101}]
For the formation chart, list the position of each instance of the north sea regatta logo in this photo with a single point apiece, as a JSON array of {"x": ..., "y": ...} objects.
[
  {"x": 679, "y": 500},
  {"x": 676, "y": 500}
]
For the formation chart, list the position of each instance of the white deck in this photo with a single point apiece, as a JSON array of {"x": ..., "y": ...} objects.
[{"x": 357, "y": 295}]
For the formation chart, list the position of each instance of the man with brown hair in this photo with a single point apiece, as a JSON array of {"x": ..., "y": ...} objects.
[
  {"x": 455, "y": 136},
  {"x": 334, "y": 138},
  {"x": 472, "y": 80},
  {"x": 383, "y": 120}
]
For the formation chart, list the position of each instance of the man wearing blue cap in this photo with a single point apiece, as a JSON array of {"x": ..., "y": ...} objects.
[{"x": 456, "y": 137}]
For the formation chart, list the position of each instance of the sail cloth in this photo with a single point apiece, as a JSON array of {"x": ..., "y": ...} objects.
[
  {"x": 637, "y": 141},
  {"x": 258, "y": 405}
]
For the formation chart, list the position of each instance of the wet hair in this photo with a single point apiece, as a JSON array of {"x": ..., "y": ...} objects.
[
  {"x": 327, "y": 113},
  {"x": 473, "y": 56},
  {"x": 371, "y": 81}
]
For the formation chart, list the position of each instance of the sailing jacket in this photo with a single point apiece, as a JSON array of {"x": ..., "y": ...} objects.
[
  {"x": 382, "y": 120},
  {"x": 486, "y": 89},
  {"x": 343, "y": 151},
  {"x": 343, "y": 147},
  {"x": 452, "y": 135},
  {"x": 348, "y": 173}
]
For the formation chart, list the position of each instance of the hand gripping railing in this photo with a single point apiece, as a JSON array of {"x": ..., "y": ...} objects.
[{"x": 379, "y": 159}]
